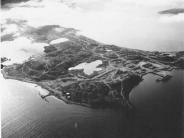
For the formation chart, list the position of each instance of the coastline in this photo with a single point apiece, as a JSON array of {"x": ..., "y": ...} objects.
[
  {"x": 51, "y": 92},
  {"x": 58, "y": 94}
]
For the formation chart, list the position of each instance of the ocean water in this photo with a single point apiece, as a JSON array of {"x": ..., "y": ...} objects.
[
  {"x": 157, "y": 114},
  {"x": 159, "y": 106}
]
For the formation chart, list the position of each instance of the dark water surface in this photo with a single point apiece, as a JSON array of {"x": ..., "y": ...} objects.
[
  {"x": 157, "y": 115},
  {"x": 159, "y": 106}
]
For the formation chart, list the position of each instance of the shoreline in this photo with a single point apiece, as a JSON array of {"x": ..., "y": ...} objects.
[{"x": 51, "y": 91}]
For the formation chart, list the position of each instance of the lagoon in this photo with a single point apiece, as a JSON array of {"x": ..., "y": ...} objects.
[{"x": 88, "y": 68}]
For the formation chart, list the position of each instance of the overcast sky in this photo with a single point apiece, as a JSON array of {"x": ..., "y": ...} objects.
[{"x": 126, "y": 23}]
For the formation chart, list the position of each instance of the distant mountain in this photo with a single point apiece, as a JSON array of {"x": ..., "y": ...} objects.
[{"x": 172, "y": 11}]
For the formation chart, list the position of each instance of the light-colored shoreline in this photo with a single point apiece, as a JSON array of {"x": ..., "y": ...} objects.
[{"x": 51, "y": 91}]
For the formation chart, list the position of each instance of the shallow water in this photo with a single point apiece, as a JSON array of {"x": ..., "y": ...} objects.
[{"x": 158, "y": 113}]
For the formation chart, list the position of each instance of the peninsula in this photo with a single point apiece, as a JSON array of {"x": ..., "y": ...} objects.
[{"x": 61, "y": 69}]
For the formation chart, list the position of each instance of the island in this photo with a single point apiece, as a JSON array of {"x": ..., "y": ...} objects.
[{"x": 117, "y": 70}]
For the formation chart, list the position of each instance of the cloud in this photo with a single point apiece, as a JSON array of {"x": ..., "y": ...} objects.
[
  {"x": 124, "y": 3},
  {"x": 173, "y": 11},
  {"x": 57, "y": 12},
  {"x": 179, "y": 18},
  {"x": 20, "y": 49},
  {"x": 12, "y": 28},
  {"x": 131, "y": 23},
  {"x": 3, "y": 2}
]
